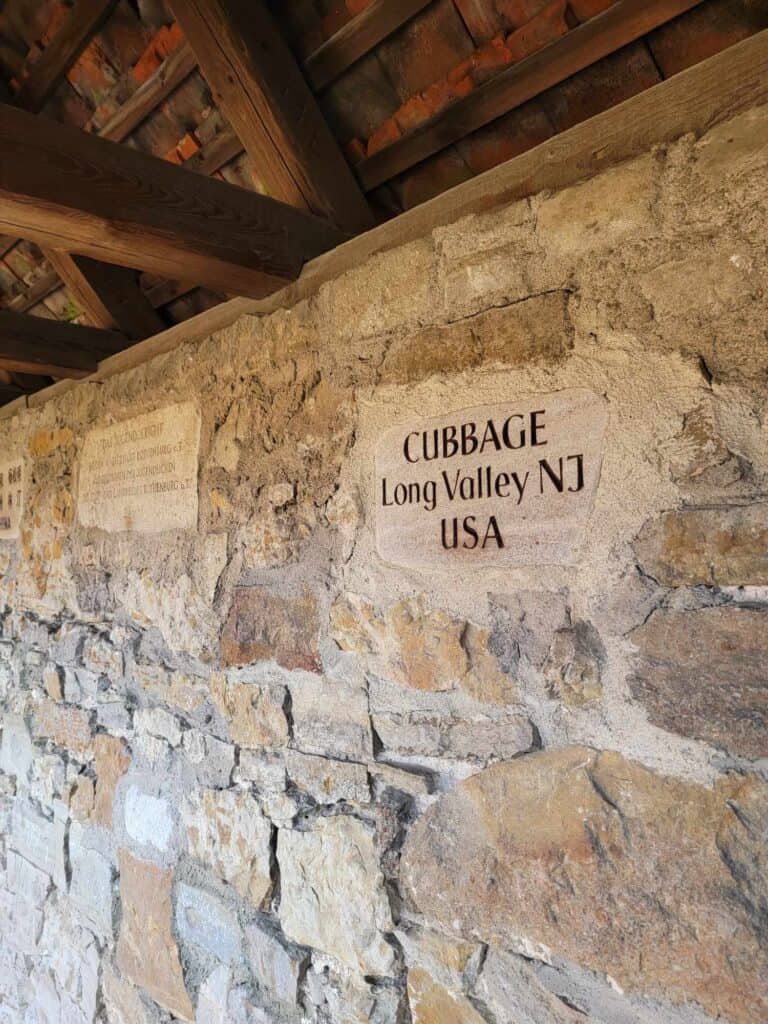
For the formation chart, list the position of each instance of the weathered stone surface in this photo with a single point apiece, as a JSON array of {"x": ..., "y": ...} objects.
[
  {"x": 212, "y": 759},
  {"x": 608, "y": 865},
  {"x": 146, "y": 951},
  {"x": 432, "y": 1003},
  {"x": 255, "y": 713},
  {"x": 429, "y": 735},
  {"x": 327, "y": 781},
  {"x": 39, "y": 840},
  {"x": 263, "y": 626},
  {"x": 228, "y": 832},
  {"x": 600, "y": 213},
  {"x": 91, "y": 883},
  {"x": 422, "y": 648},
  {"x": 715, "y": 546},
  {"x": 331, "y": 719},
  {"x": 149, "y": 819},
  {"x": 27, "y": 881},
  {"x": 508, "y": 988},
  {"x": 16, "y": 751},
  {"x": 205, "y": 921},
  {"x": 704, "y": 674},
  {"x": 277, "y": 969},
  {"x": 111, "y": 762},
  {"x": 574, "y": 665},
  {"x": 123, "y": 1002},
  {"x": 160, "y": 723},
  {"x": 65, "y": 726},
  {"x": 725, "y": 283},
  {"x": 332, "y": 893}
]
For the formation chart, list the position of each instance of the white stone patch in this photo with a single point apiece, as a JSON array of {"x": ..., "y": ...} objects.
[
  {"x": 148, "y": 819},
  {"x": 140, "y": 475}
]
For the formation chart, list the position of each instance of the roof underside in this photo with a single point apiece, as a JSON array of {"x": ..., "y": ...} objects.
[{"x": 391, "y": 110}]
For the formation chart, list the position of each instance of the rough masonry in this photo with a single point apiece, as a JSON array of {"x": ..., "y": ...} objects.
[{"x": 252, "y": 772}]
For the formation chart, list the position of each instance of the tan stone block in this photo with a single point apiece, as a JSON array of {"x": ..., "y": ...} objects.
[
  {"x": 715, "y": 546},
  {"x": 64, "y": 725},
  {"x": 82, "y": 797},
  {"x": 420, "y": 354},
  {"x": 704, "y": 674},
  {"x": 422, "y": 648},
  {"x": 147, "y": 953},
  {"x": 255, "y": 713},
  {"x": 603, "y": 212},
  {"x": 53, "y": 682},
  {"x": 533, "y": 331},
  {"x": 432, "y": 1003},
  {"x": 111, "y": 762},
  {"x": 122, "y": 1001},
  {"x": 706, "y": 284},
  {"x": 609, "y": 865},
  {"x": 262, "y": 626},
  {"x": 228, "y": 832}
]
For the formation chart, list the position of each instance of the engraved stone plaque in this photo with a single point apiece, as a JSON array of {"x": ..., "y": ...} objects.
[
  {"x": 496, "y": 485},
  {"x": 11, "y": 498},
  {"x": 141, "y": 474}
]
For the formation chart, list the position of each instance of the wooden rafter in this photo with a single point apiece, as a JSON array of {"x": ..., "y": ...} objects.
[
  {"x": 109, "y": 296},
  {"x": 263, "y": 94},
  {"x": 31, "y": 344},
  {"x": 63, "y": 188},
  {"x": 78, "y": 28},
  {"x": 379, "y": 20},
  {"x": 619, "y": 25}
]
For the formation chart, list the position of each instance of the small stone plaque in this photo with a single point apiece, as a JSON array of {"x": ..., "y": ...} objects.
[
  {"x": 141, "y": 474},
  {"x": 11, "y": 498},
  {"x": 496, "y": 485}
]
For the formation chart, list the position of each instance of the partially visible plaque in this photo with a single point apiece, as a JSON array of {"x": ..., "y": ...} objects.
[
  {"x": 496, "y": 485},
  {"x": 11, "y": 498},
  {"x": 141, "y": 474}
]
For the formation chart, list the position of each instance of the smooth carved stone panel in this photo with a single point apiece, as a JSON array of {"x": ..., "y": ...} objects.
[
  {"x": 658, "y": 883},
  {"x": 140, "y": 474},
  {"x": 496, "y": 485},
  {"x": 11, "y": 498}
]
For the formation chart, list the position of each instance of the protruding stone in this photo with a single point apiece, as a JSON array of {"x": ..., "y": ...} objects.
[
  {"x": 573, "y": 669},
  {"x": 704, "y": 674},
  {"x": 91, "y": 883},
  {"x": 39, "y": 840},
  {"x": 65, "y": 726},
  {"x": 331, "y": 719},
  {"x": 149, "y": 819},
  {"x": 254, "y": 713},
  {"x": 205, "y": 921},
  {"x": 599, "y": 860},
  {"x": 714, "y": 546},
  {"x": 146, "y": 952},
  {"x": 111, "y": 762},
  {"x": 228, "y": 832},
  {"x": 328, "y": 781},
  {"x": 263, "y": 626},
  {"x": 332, "y": 893},
  {"x": 17, "y": 750},
  {"x": 212, "y": 759},
  {"x": 277, "y": 969},
  {"x": 422, "y": 648},
  {"x": 432, "y": 1003},
  {"x": 122, "y": 1001},
  {"x": 428, "y": 735}
]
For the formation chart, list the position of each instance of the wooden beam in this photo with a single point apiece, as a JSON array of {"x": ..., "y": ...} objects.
[
  {"x": 109, "y": 296},
  {"x": 158, "y": 87},
  {"x": 215, "y": 154},
  {"x": 65, "y": 189},
  {"x": 38, "y": 292},
  {"x": 379, "y": 19},
  {"x": 261, "y": 91},
  {"x": 78, "y": 28},
  {"x": 618, "y": 26},
  {"x": 30, "y": 344},
  {"x": 9, "y": 393}
]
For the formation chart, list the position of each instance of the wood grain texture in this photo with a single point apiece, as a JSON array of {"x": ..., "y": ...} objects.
[
  {"x": 40, "y": 290},
  {"x": 379, "y": 20},
  {"x": 109, "y": 296},
  {"x": 261, "y": 91},
  {"x": 78, "y": 28},
  {"x": 215, "y": 154},
  {"x": 65, "y": 189},
  {"x": 31, "y": 344},
  {"x": 618, "y": 26},
  {"x": 158, "y": 87}
]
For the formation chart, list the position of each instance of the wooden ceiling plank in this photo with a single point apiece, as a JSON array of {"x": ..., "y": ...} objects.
[
  {"x": 616, "y": 27},
  {"x": 66, "y": 189},
  {"x": 262, "y": 92},
  {"x": 359, "y": 36},
  {"x": 39, "y": 291},
  {"x": 109, "y": 296},
  {"x": 31, "y": 344},
  {"x": 76, "y": 31},
  {"x": 215, "y": 154},
  {"x": 158, "y": 87}
]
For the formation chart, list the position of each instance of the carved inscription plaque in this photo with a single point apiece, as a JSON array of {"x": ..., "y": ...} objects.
[
  {"x": 497, "y": 485},
  {"x": 11, "y": 498},
  {"x": 141, "y": 474}
]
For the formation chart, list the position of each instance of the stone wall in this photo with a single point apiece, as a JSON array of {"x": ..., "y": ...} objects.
[{"x": 252, "y": 773}]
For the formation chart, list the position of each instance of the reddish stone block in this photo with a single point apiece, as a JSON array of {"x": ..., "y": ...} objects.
[
  {"x": 548, "y": 25},
  {"x": 491, "y": 59},
  {"x": 481, "y": 18},
  {"x": 506, "y": 137},
  {"x": 413, "y": 113},
  {"x": 517, "y": 13},
  {"x": 355, "y": 151},
  {"x": 162, "y": 45},
  {"x": 262, "y": 626},
  {"x": 705, "y": 31}
]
